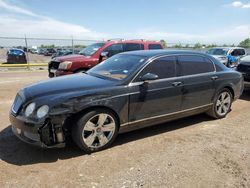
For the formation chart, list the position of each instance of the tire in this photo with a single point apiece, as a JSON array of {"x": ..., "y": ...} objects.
[
  {"x": 221, "y": 107},
  {"x": 96, "y": 130}
]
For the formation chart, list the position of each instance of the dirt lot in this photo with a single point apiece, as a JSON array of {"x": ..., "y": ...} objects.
[{"x": 192, "y": 152}]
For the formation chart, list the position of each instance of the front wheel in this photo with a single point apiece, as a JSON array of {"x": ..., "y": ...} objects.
[
  {"x": 95, "y": 130},
  {"x": 222, "y": 104}
]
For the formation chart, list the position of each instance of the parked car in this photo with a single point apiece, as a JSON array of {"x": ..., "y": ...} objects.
[
  {"x": 34, "y": 51},
  {"x": 41, "y": 51},
  {"x": 49, "y": 52},
  {"x": 64, "y": 52},
  {"x": 229, "y": 56},
  {"x": 126, "y": 92},
  {"x": 244, "y": 68},
  {"x": 16, "y": 56},
  {"x": 96, "y": 53}
]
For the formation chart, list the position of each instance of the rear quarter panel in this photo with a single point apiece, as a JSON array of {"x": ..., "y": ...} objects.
[{"x": 230, "y": 79}]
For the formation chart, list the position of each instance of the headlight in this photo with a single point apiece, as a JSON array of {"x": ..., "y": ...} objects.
[
  {"x": 30, "y": 109},
  {"x": 65, "y": 65},
  {"x": 42, "y": 111}
]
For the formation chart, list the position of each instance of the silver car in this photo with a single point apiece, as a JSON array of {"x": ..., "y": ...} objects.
[{"x": 229, "y": 56}]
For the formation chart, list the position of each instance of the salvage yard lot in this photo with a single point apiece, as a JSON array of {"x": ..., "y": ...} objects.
[{"x": 191, "y": 152}]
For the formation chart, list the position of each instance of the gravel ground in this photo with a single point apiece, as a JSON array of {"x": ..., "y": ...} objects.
[{"x": 191, "y": 152}]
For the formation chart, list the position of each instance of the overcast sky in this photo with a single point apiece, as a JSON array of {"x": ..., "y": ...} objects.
[{"x": 211, "y": 21}]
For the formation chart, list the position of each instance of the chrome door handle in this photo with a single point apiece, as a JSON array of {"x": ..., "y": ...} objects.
[
  {"x": 214, "y": 77},
  {"x": 175, "y": 84}
]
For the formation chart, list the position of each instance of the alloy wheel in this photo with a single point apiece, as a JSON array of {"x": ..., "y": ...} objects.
[
  {"x": 223, "y": 103},
  {"x": 99, "y": 130}
]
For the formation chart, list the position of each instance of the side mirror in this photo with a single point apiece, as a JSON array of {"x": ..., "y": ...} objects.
[
  {"x": 104, "y": 54},
  {"x": 149, "y": 77}
]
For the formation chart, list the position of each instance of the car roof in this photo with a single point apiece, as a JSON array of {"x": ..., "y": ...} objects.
[
  {"x": 152, "y": 53},
  {"x": 16, "y": 49},
  {"x": 228, "y": 48},
  {"x": 137, "y": 41}
]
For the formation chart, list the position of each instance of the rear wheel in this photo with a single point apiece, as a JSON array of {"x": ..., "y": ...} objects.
[
  {"x": 95, "y": 130},
  {"x": 222, "y": 104}
]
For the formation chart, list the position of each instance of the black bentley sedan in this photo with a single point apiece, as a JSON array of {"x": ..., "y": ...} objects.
[{"x": 126, "y": 92}]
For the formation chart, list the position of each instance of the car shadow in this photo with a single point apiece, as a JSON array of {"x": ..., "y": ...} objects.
[
  {"x": 245, "y": 95},
  {"x": 14, "y": 151}
]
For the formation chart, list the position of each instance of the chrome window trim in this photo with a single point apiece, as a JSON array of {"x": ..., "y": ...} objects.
[
  {"x": 164, "y": 115},
  {"x": 165, "y": 79},
  {"x": 172, "y": 78}
]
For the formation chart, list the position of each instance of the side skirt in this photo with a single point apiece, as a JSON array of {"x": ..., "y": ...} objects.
[{"x": 146, "y": 122}]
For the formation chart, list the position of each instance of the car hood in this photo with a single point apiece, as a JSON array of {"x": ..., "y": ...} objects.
[
  {"x": 77, "y": 83},
  {"x": 72, "y": 58},
  {"x": 245, "y": 60},
  {"x": 245, "y": 63}
]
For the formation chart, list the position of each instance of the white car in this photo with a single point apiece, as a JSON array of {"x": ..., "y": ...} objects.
[{"x": 229, "y": 56}]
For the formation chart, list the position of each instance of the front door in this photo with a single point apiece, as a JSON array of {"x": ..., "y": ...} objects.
[{"x": 159, "y": 97}]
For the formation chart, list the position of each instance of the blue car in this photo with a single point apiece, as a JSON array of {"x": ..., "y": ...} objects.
[{"x": 16, "y": 56}]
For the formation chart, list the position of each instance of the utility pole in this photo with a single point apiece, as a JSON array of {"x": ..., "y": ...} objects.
[
  {"x": 72, "y": 45},
  {"x": 27, "y": 54}
]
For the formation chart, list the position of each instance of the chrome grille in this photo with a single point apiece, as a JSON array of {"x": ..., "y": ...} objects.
[
  {"x": 243, "y": 68},
  {"x": 54, "y": 64}
]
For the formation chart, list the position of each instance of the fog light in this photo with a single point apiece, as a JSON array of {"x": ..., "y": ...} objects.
[{"x": 18, "y": 131}]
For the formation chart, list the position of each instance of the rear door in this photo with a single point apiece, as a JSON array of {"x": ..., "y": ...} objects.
[{"x": 198, "y": 77}]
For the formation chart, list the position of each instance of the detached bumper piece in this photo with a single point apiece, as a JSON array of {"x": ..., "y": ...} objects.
[{"x": 47, "y": 136}]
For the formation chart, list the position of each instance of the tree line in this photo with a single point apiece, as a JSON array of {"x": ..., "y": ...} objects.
[{"x": 245, "y": 44}]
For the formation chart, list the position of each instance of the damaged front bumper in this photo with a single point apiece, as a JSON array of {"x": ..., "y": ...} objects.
[{"x": 46, "y": 135}]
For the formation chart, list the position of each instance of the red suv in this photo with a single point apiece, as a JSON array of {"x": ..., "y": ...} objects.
[{"x": 96, "y": 53}]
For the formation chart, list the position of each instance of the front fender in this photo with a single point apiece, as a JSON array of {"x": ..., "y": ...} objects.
[{"x": 71, "y": 106}]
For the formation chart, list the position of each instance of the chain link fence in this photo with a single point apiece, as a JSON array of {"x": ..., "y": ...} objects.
[
  {"x": 39, "y": 50},
  {"x": 35, "y": 48}
]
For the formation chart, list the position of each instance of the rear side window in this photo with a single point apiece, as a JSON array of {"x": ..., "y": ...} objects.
[
  {"x": 191, "y": 64},
  {"x": 164, "y": 67},
  {"x": 154, "y": 46},
  {"x": 133, "y": 47}
]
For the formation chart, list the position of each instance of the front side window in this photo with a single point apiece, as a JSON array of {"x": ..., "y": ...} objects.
[
  {"x": 114, "y": 49},
  {"x": 154, "y": 46},
  {"x": 91, "y": 49},
  {"x": 191, "y": 64},
  {"x": 164, "y": 67},
  {"x": 118, "y": 67}
]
